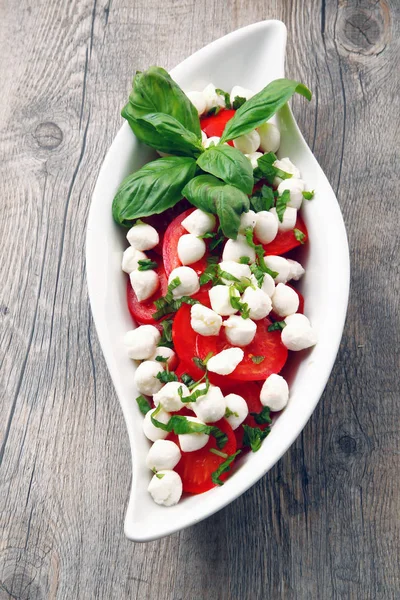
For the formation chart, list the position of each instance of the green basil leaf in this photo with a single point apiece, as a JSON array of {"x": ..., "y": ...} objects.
[
  {"x": 230, "y": 165},
  {"x": 262, "y": 417},
  {"x": 154, "y": 188},
  {"x": 277, "y": 326},
  {"x": 253, "y": 437},
  {"x": 223, "y": 468},
  {"x": 166, "y": 376},
  {"x": 281, "y": 203},
  {"x": 167, "y": 134},
  {"x": 147, "y": 264},
  {"x": 187, "y": 380},
  {"x": 299, "y": 235},
  {"x": 308, "y": 195},
  {"x": 238, "y": 102},
  {"x": 143, "y": 404},
  {"x": 180, "y": 425},
  {"x": 154, "y": 91},
  {"x": 214, "y": 196},
  {"x": 262, "y": 199},
  {"x": 226, "y": 97},
  {"x": 257, "y": 360},
  {"x": 262, "y": 107},
  {"x": 166, "y": 335}
]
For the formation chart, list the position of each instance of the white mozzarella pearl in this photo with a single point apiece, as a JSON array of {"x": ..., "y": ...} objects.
[
  {"x": 280, "y": 265},
  {"x": 221, "y": 301},
  {"x": 238, "y": 270},
  {"x": 166, "y": 488},
  {"x": 296, "y": 269},
  {"x": 190, "y": 442},
  {"x": 253, "y": 158},
  {"x": 240, "y": 332},
  {"x": 168, "y": 354},
  {"x": 270, "y": 137},
  {"x": 295, "y": 187},
  {"x": 285, "y": 301},
  {"x": 211, "y": 406},
  {"x": 288, "y": 220},
  {"x": 286, "y": 165},
  {"x": 247, "y": 219},
  {"x": 258, "y": 302},
  {"x": 189, "y": 282},
  {"x": 235, "y": 249},
  {"x": 130, "y": 259},
  {"x": 225, "y": 362},
  {"x": 248, "y": 143},
  {"x": 238, "y": 406},
  {"x": 198, "y": 101},
  {"x": 274, "y": 393},
  {"x": 144, "y": 283},
  {"x": 204, "y": 321},
  {"x": 240, "y": 92},
  {"x": 169, "y": 396},
  {"x": 190, "y": 249},
  {"x": 199, "y": 222},
  {"x": 152, "y": 432},
  {"x": 211, "y": 141},
  {"x": 298, "y": 334},
  {"x": 145, "y": 377},
  {"x": 266, "y": 228},
  {"x": 211, "y": 98},
  {"x": 143, "y": 237},
  {"x": 163, "y": 454},
  {"x": 141, "y": 342}
]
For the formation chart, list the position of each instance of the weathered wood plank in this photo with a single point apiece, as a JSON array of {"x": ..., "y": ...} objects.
[{"x": 324, "y": 522}]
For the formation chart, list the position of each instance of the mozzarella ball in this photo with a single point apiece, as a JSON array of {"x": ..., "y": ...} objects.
[
  {"x": 267, "y": 286},
  {"x": 266, "y": 228},
  {"x": 240, "y": 92},
  {"x": 295, "y": 187},
  {"x": 235, "y": 249},
  {"x": 199, "y": 222},
  {"x": 280, "y": 265},
  {"x": 285, "y": 301},
  {"x": 169, "y": 396},
  {"x": 225, "y": 362},
  {"x": 166, "y": 488},
  {"x": 258, "y": 302},
  {"x": 238, "y": 270},
  {"x": 297, "y": 319},
  {"x": 247, "y": 219},
  {"x": 240, "y": 332},
  {"x": 204, "y": 321},
  {"x": 211, "y": 141},
  {"x": 248, "y": 143},
  {"x": 168, "y": 354},
  {"x": 212, "y": 99},
  {"x": 296, "y": 269},
  {"x": 190, "y": 249},
  {"x": 270, "y": 137},
  {"x": 144, "y": 283},
  {"x": 130, "y": 259},
  {"x": 163, "y": 454},
  {"x": 288, "y": 220},
  {"x": 143, "y": 237},
  {"x": 274, "y": 392},
  {"x": 190, "y": 442},
  {"x": 298, "y": 334},
  {"x": 198, "y": 101},
  {"x": 189, "y": 282},
  {"x": 141, "y": 342},
  {"x": 152, "y": 432},
  {"x": 210, "y": 407},
  {"x": 221, "y": 301},
  {"x": 145, "y": 377},
  {"x": 286, "y": 165},
  {"x": 253, "y": 158},
  {"x": 238, "y": 406}
]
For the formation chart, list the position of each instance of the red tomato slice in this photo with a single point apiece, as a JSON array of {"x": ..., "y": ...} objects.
[
  {"x": 214, "y": 125},
  {"x": 189, "y": 344},
  {"x": 170, "y": 246},
  {"x": 196, "y": 468},
  {"x": 142, "y": 312},
  {"x": 285, "y": 240}
]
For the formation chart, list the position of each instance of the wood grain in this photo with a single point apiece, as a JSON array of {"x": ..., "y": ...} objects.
[{"x": 324, "y": 523}]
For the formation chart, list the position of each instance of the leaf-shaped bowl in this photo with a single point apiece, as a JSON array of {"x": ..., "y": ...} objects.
[{"x": 250, "y": 57}]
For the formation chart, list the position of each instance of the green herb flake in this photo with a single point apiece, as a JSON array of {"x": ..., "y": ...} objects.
[
  {"x": 147, "y": 265},
  {"x": 214, "y": 110},
  {"x": 218, "y": 453},
  {"x": 277, "y": 326},
  {"x": 230, "y": 413},
  {"x": 194, "y": 395},
  {"x": 187, "y": 380},
  {"x": 262, "y": 417},
  {"x": 143, "y": 404},
  {"x": 262, "y": 199},
  {"x": 166, "y": 376},
  {"x": 281, "y": 204},
  {"x": 259, "y": 250},
  {"x": 238, "y": 102},
  {"x": 167, "y": 305},
  {"x": 180, "y": 425},
  {"x": 223, "y": 468},
  {"x": 308, "y": 195},
  {"x": 254, "y": 436},
  {"x": 160, "y": 475},
  {"x": 226, "y": 97},
  {"x": 257, "y": 359},
  {"x": 166, "y": 335},
  {"x": 299, "y": 235},
  {"x": 242, "y": 307},
  {"x": 244, "y": 260}
]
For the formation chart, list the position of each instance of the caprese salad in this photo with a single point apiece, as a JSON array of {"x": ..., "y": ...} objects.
[{"x": 211, "y": 281}]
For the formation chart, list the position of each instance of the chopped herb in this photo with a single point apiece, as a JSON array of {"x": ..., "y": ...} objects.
[
  {"x": 308, "y": 195},
  {"x": 160, "y": 475},
  {"x": 212, "y": 260},
  {"x": 167, "y": 305},
  {"x": 166, "y": 376},
  {"x": 277, "y": 326},
  {"x": 257, "y": 359},
  {"x": 147, "y": 264},
  {"x": 230, "y": 413},
  {"x": 218, "y": 453},
  {"x": 244, "y": 260},
  {"x": 202, "y": 364},
  {"x": 161, "y": 359},
  {"x": 143, "y": 404},
  {"x": 226, "y": 97},
  {"x": 166, "y": 335},
  {"x": 242, "y": 307},
  {"x": 299, "y": 235},
  {"x": 253, "y": 437},
  {"x": 262, "y": 417},
  {"x": 281, "y": 203},
  {"x": 223, "y": 468},
  {"x": 214, "y": 111},
  {"x": 194, "y": 395},
  {"x": 266, "y": 169},
  {"x": 238, "y": 102},
  {"x": 227, "y": 276},
  {"x": 262, "y": 199},
  {"x": 259, "y": 250},
  {"x": 216, "y": 237},
  {"x": 180, "y": 425},
  {"x": 187, "y": 380}
]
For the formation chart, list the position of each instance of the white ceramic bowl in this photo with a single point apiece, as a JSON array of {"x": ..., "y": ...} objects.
[{"x": 250, "y": 57}]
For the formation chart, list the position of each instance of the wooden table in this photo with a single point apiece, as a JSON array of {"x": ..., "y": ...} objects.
[{"x": 324, "y": 522}]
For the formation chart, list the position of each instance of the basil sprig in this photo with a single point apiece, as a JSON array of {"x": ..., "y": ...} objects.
[
  {"x": 167, "y": 134},
  {"x": 262, "y": 107},
  {"x": 154, "y": 188},
  {"x": 180, "y": 425},
  {"x": 224, "y": 467},
  {"x": 228, "y": 164},
  {"x": 214, "y": 196}
]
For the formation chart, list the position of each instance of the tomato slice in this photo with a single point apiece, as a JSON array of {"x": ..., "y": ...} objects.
[
  {"x": 196, "y": 468},
  {"x": 142, "y": 312},
  {"x": 170, "y": 246},
  {"x": 285, "y": 240},
  {"x": 189, "y": 344},
  {"x": 214, "y": 125}
]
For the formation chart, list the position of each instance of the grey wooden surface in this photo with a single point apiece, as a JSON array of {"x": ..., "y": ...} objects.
[{"x": 324, "y": 523}]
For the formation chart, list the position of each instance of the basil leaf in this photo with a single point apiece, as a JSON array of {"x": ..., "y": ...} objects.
[
  {"x": 277, "y": 326},
  {"x": 238, "y": 102},
  {"x": 166, "y": 335},
  {"x": 166, "y": 376},
  {"x": 230, "y": 165},
  {"x": 180, "y": 425},
  {"x": 281, "y": 203},
  {"x": 308, "y": 195},
  {"x": 154, "y": 188},
  {"x": 211, "y": 195},
  {"x": 187, "y": 380},
  {"x": 257, "y": 359},
  {"x": 267, "y": 170},
  {"x": 230, "y": 413},
  {"x": 262, "y": 199},
  {"x": 299, "y": 235},
  {"x": 167, "y": 134},
  {"x": 262, "y": 106},
  {"x": 253, "y": 437},
  {"x": 223, "y": 468},
  {"x": 262, "y": 417},
  {"x": 226, "y": 97},
  {"x": 147, "y": 265},
  {"x": 194, "y": 395},
  {"x": 154, "y": 91},
  {"x": 143, "y": 404}
]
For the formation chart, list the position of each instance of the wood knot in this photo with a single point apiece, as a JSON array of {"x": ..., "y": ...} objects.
[
  {"x": 48, "y": 135},
  {"x": 364, "y": 31},
  {"x": 21, "y": 586},
  {"x": 347, "y": 444}
]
